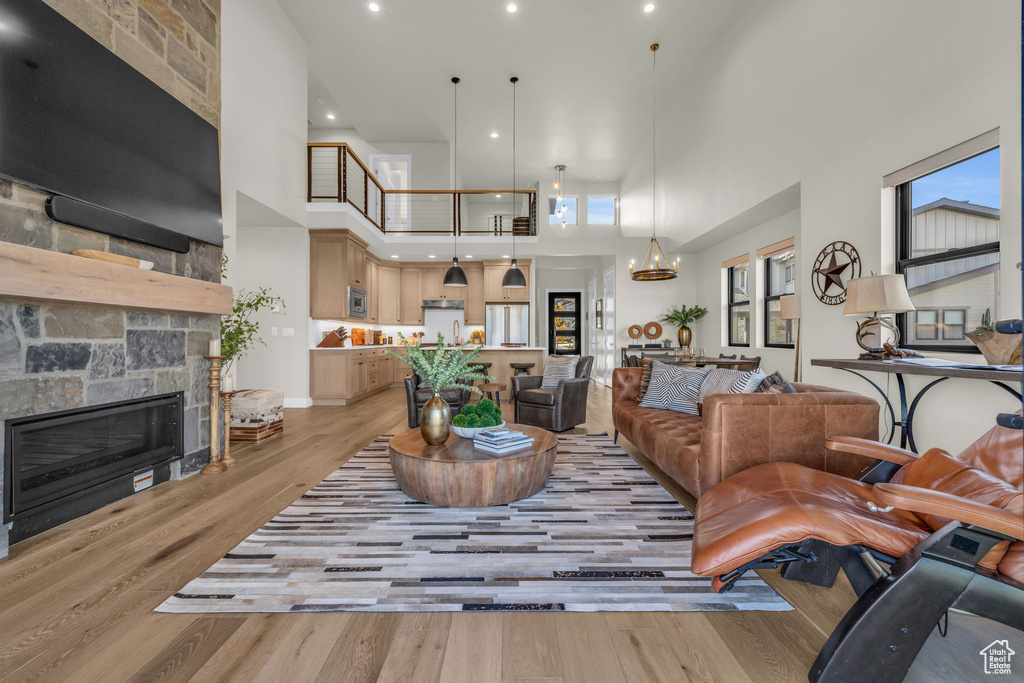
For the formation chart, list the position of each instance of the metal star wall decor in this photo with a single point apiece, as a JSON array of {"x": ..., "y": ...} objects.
[{"x": 837, "y": 264}]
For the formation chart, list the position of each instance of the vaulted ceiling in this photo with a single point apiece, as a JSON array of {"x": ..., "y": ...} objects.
[{"x": 584, "y": 96}]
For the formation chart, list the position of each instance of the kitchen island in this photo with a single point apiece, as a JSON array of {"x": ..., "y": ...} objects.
[{"x": 341, "y": 376}]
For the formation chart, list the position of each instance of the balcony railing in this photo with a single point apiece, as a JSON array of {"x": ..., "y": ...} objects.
[{"x": 336, "y": 175}]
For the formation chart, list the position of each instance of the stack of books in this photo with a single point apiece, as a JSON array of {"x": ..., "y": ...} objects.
[{"x": 501, "y": 441}]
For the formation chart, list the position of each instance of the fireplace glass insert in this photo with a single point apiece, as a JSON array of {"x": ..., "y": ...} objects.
[{"x": 65, "y": 455}]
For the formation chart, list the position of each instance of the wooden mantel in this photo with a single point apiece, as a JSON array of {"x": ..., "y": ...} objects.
[{"x": 31, "y": 273}]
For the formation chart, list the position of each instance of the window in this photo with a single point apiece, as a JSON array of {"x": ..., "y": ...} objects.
[
  {"x": 947, "y": 245},
  {"x": 601, "y": 209},
  {"x": 738, "y": 299},
  {"x": 560, "y": 210},
  {"x": 779, "y": 280}
]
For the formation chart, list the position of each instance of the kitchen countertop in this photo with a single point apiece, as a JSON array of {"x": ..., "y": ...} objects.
[{"x": 468, "y": 348}]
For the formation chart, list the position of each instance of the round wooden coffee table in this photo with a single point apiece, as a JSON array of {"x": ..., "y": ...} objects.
[{"x": 455, "y": 474}]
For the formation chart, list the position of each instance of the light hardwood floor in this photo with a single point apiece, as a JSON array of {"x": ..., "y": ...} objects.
[{"x": 76, "y": 602}]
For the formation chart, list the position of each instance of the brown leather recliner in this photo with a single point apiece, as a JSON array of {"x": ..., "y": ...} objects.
[
  {"x": 949, "y": 529},
  {"x": 556, "y": 409},
  {"x": 415, "y": 397}
]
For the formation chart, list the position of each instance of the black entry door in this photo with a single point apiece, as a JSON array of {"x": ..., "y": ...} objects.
[{"x": 565, "y": 323}]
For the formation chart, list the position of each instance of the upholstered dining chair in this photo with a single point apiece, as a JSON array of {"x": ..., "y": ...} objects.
[
  {"x": 416, "y": 396},
  {"x": 558, "y": 409}
]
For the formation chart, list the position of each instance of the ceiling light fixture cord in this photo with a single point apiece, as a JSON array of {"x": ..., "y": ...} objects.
[
  {"x": 514, "y": 80},
  {"x": 654, "y": 140},
  {"x": 455, "y": 179}
]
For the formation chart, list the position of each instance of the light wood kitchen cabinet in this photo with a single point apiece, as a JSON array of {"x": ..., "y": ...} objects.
[
  {"x": 356, "y": 263},
  {"x": 476, "y": 306},
  {"x": 494, "y": 272},
  {"x": 387, "y": 295},
  {"x": 430, "y": 282},
  {"x": 411, "y": 299},
  {"x": 372, "y": 290},
  {"x": 328, "y": 283},
  {"x": 339, "y": 377}
]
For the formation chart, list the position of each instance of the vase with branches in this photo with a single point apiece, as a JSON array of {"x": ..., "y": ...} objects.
[
  {"x": 440, "y": 368},
  {"x": 239, "y": 333},
  {"x": 682, "y": 317}
]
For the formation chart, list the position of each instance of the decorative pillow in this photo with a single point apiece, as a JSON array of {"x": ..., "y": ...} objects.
[
  {"x": 645, "y": 376},
  {"x": 749, "y": 383},
  {"x": 557, "y": 368},
  {"x": 775, "y": 383},
  {"x": 720, "y": 381},
  {"x": 674, "y": 387}
]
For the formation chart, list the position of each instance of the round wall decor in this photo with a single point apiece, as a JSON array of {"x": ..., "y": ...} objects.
[
  {"x": 837, "y": 264},
  {"x": 652, "y": 330},
  {"x": 635, "y": 332}
]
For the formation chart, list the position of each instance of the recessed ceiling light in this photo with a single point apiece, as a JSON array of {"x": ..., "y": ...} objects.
[
  {"x": 469, "y": 256},
  {"x": 497, "y": 196},
  {"x": 394, "y": 256},
  {"x": 494, "y": 135},
  {"x": 431, "y": 256},
  {"x": 330, "y": 116},
  {"x": 374, "y": 7},
  {"x": 512, "y": 7},
  {"x": 649, "y": 7},
  {"x": 504, "y": 256},
  {"x": 321, "y": 100}
]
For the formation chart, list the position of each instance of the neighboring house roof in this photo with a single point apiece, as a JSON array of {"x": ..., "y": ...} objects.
[{"x": 959, "y": 207}]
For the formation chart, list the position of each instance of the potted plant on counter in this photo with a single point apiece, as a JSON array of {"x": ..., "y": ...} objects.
[
  {"x": 682, "y": 317},
  {"x": 439, "y": 368}
]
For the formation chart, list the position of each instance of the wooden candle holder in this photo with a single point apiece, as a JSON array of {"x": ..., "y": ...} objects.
[
  {"x": 216, "y": 464},
  {"x": 226, "y": 456}
]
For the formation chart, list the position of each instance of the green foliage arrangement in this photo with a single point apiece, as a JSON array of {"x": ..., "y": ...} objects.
[
  {"x": 681, "y": 316},
  {"x": 481, "y": 414},
  {"x": 239, "y": 332},
  {"x": 441, "y": 367}
]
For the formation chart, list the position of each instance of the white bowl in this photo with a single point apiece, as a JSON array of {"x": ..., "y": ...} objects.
[{"x": 471, "y": 432}]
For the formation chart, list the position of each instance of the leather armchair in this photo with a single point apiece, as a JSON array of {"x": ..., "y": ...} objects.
[
  {"x": 558, "y": 409},
  {"x": 416, "y": 397}
]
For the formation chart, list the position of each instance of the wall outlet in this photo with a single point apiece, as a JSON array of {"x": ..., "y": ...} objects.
[
  {"x": 273, "y": 331},
  {"x": 288, "y": 331}
]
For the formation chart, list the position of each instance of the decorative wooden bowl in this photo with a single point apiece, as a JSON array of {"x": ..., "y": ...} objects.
[{"x": 998, "y": 348}]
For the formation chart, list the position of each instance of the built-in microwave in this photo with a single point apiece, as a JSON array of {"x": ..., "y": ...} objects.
[{"x": 356, "y": 302}]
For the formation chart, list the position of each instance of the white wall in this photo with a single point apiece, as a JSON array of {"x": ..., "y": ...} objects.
[
  {"x": 431, "y": 164},
  {"x": 709, "y": 331},
  {"x": 263, "y": 136},
  {"x": 785, "y": 99}
]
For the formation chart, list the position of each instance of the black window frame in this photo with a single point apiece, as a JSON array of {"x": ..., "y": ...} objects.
[
  {"x": 904, "y": 225},
  {"x": 768, "y": 298},
  {"x": 736, "y": 304}
]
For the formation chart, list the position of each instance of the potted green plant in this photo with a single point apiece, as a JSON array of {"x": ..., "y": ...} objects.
[
  {"x": 473, "y": 419},
  {"x": 439, "y": 368},
  {"x": 682, "y": 317},
  {"x": 239, "y": 333}
]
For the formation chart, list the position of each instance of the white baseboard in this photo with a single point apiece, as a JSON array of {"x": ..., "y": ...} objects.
[{"x": 298, "y": 402}]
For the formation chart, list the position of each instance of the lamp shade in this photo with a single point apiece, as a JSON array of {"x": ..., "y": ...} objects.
[
  {"x": 514, "y": 278},
  {"x": 877, "y": 294},
  {"x": 456, "y": 276},
  {"x": 789, "y": 307}
]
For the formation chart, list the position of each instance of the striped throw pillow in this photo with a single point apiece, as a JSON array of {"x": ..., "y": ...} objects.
[
  {"x": 674, "y": 387},
  {"x": 775, "y": 383},
  {"x": 720, "y": 381},
  {"x": 557, "y": 368},
  {"x": 749, "y": 382}
]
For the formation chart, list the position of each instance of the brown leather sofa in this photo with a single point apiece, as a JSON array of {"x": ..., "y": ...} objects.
[
  {"x": 739, "y": 431},
  {"x": 556, "y": 409}
]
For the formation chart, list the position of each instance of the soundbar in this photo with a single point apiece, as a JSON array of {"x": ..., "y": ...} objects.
[{"x": 82, "y": 215}]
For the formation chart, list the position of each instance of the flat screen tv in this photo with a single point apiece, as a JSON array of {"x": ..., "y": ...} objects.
[{"x": 78, "y": 122}]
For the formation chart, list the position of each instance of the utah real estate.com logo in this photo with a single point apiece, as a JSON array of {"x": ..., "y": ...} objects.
[{"x": 997, "y": 657}]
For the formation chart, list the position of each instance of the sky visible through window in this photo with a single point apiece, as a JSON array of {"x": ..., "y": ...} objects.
[
  {"x": 975, "y": 180},
  {"x": 570, "y": 213},
  {"x": 601, "y": 210}
]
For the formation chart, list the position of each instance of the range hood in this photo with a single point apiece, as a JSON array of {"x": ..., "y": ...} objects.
[{"x": 444, "y": 305}]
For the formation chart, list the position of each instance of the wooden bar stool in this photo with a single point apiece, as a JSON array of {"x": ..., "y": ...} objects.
[
  {"x": 492, "y": 390},
  {"x": 482, "y": 367},
  {"x": 519, "y": 369}
]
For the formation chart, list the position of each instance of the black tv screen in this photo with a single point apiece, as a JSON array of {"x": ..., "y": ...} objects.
[{"x": 77, "y": 121}]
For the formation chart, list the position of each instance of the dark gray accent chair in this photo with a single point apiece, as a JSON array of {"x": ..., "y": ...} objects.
[
  {"x": 415, "y": 398},
  {"x": 558, "y": 409}
]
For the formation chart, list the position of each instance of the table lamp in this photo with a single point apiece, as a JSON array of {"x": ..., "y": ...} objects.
[
  {"x": 790, "y": 309},
  {"x": 873, "y": 296}
]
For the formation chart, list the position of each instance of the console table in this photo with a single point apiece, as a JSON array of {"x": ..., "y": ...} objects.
[{"x": 857, "y": 367}]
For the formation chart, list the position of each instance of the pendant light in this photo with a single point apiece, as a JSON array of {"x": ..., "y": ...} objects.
[
  {"x": 560, "y": 182},
  {"x": 456, "y": 276},
  {"x": 514, "y": 278},
  {"x": 654, "y": 265}
]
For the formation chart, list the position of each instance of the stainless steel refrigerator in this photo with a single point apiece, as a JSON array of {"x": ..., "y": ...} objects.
[{"x": 507, "y": 324}]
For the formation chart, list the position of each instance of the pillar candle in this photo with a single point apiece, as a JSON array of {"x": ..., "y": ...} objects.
[
  {"x": 228, "y": 383},
  {"x": 215, "y": 347}
]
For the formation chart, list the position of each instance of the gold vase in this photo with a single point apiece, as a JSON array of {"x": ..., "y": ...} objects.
[
  {"x": 435, "y": 420},
  {"x": 685, "y": 336}
]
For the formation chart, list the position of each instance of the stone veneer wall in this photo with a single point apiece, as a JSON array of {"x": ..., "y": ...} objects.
[{"x": 58, "y": 356}]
